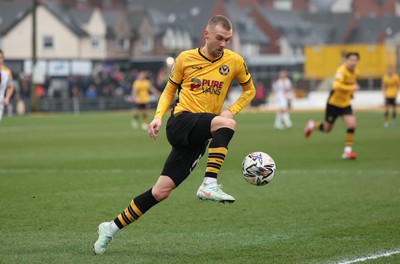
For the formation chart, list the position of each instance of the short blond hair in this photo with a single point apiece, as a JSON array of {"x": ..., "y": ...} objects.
[{"x": 219, "y": 20}]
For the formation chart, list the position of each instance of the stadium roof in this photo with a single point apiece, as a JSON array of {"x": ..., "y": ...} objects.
[
  {"x": 247, "y": 29},
  {"x": 291, "y": 25},
  {"x": 373, "y": 30},
  {"x": 189, "y": 14},
  {"x": 66, "y": 17},
  {"x": 12, "y": 13},
  {"x": 328, "y": 27}
]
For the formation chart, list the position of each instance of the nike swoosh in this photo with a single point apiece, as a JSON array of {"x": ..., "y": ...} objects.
[{"x": 206, "y": 193}]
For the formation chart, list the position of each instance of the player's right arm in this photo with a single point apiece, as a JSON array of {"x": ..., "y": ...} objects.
[
  {"x": 163, "y": 104},
  {"x": 166, "y": 97},
  {"x": 165, "y": 100},
  {"x": 133, "y": 92},
  {"x": 174, "y": 81}
]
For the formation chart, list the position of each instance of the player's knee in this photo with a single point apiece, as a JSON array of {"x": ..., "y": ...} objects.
[
  {"x": 328, "y": 128},
  {"x": 223, "y": 122},
  {"x": 161, "y": 194},
  {"x": 230, "y": 123},
  {"x": 351, "y": 125}
]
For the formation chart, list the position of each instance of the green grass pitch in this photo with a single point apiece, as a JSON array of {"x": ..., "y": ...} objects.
[{"x": 61, "y": 175}]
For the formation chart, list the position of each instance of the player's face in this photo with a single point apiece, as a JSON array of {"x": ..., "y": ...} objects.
[
  {"x": 351, "y": 62},
  {"x": 217, "y": 39}
]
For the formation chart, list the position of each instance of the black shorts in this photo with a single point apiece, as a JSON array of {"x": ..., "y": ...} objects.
[
  {"x": 332, "y": 112},
  {"x": 188, "y": 134},
  {"x": 390, "y": 101},
  {"x": 141, "y": 106}
]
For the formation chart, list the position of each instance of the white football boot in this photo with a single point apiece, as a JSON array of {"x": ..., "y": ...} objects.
[
  {"x": 213, "y": 192},
  {"x": 106, "y": 235}
]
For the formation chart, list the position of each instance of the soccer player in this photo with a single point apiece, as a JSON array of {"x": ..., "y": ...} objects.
[
  {"x": 390, "y": 88},
  {"x": 141, "y": 89},
  {"x": 202, "y": 77},
  {"x": 282, "y": 92},
  {"x": 6, "y": 85},
  {"x": 344, "y": 85}
]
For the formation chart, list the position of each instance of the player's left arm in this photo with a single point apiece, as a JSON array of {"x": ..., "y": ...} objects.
[
  {"x": 383, "y": 88},
  {"x": 340, "y": 82},
  {"x": 248, "y": 93},
  {"x": 248, "y": 89},
  {"x": 9, "y": 91},
  {"x": 398, "y": 83},
  {"x": 341, "y": 85},
  {"x": 289, "y": 90},
  {"x": 154, "y": 90}
]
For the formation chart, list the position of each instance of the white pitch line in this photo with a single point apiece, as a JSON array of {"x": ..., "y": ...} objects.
[
  {"x": 386, "y": 254},
  {"x": 114, "y": 170},
  {"x": 75, "y": 171}
]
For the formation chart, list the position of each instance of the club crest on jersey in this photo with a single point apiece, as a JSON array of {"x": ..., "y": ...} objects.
[
  {"x": 224, "y": 70},
  {"x": 196, "y": 83}
]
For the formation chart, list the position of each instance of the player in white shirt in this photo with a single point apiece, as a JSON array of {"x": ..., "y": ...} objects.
[
  {"x": 282, "y": 93},
  {"x": 6, "y": 85}
]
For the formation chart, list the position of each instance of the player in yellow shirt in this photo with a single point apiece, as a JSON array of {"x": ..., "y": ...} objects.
[
  {"x": 141, "y": 89},
  {"x": 202, "y": 78},
  {"x": 343, "y": 87},
  {"x": 390, "y": 88}
]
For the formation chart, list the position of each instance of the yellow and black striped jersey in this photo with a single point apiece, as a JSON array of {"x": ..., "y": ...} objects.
[
  {"x": 390, "y": 84},
  {"x": 343, "y": 87},
  {"x": 141, "y": 90},
  {"x": 203, "y": 84}
]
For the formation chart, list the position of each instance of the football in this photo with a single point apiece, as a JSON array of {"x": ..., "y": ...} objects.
[{"x": 258, "y": 168}]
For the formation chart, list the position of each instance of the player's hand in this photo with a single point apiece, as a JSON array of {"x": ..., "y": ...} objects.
[
  {"x": 226, "y": 113},
  {"x": 6, "y": 101},
  {"x": 154, "y": 127},
  {"x": 356, "y": 87}
]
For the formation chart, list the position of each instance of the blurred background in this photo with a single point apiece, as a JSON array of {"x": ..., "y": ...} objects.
[{"x": 83, "y": 55}]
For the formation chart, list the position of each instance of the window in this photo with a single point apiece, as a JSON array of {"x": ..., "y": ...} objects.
[
  {"x": 48, "y": 42},
  {"x": 122, "y": 43},
  {"x": 146, "y": 44},
  {"x": 282, "y": 4},
  {"x": 250, "y": 49},
  {"x": 96, "y": 42}
]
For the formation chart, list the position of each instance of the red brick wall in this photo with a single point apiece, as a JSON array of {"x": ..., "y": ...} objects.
[
  {"x": 269, "y": 30},
  {"x": 300, "y": 5},
  {"x": 247, "y": 3},
  {"x": 374, "y": 7}
]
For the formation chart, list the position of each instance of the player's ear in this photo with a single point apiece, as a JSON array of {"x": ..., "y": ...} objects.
[{"x": 205, "y": 33}]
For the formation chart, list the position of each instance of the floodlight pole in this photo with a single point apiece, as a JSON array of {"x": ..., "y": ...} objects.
[
  {"x": 1, "y": 21},
  {"x": 34, "y": 99}
]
